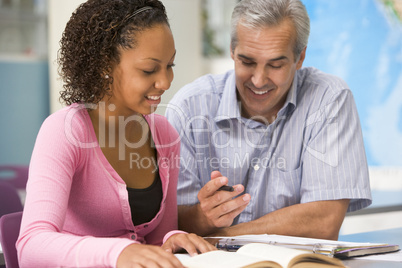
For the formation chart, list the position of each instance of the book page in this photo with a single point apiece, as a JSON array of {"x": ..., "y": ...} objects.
[
  {"x": 288, "y": 257},
  {"x": 277, "y": 254},
  {"x": 223, "y": 259},
  {"x": 182, "y": 256}
]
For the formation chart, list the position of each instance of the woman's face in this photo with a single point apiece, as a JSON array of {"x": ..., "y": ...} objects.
[{"x": 144, "y": 72}]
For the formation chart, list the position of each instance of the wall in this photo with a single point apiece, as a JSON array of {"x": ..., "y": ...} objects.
[
  {"x": 59, "y": 13},
  {"x": 24, "y": 78},
  {"x": 23, "y": 107}
]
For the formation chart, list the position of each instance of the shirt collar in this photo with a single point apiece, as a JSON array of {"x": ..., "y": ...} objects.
[
  {"x": 291, "y": 98},
  {"x": 228, "y": 106}
]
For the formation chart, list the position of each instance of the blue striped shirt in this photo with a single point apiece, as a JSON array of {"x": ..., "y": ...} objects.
[{"x": 313, "y": 150}]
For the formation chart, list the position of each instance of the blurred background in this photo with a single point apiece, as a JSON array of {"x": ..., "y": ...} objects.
[{"x": 359, "y": 40}]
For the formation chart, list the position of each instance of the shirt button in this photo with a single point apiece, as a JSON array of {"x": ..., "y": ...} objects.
[
  {"x": 133, "y": 237},
  {"x": 256, "y": 167}
]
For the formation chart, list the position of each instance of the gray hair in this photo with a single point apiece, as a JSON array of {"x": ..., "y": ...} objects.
[{"x": 260, "y": 13}]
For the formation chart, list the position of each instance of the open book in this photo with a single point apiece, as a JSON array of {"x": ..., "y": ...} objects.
[
  {"x": 256, "y": 255},
  {"x": 331, "y": 248}
]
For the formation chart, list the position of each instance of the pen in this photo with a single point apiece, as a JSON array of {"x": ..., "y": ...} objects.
[
  {"x": 228, "y": 247},
  {"x": 226, "y": 188},
  {"x": 230, "y": 244}
]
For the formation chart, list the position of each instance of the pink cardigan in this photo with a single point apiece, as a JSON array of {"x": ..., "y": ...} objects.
[{"x": 76, "y": 211}]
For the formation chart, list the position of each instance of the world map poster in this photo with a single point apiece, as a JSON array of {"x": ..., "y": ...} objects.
[{"x": 361, "y": 41}]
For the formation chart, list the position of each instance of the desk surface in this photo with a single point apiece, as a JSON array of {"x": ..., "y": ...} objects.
[{"x": 390, "y": 236}]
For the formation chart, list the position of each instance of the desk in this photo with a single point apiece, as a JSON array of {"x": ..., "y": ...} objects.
[{"x": 390, "y": 236}]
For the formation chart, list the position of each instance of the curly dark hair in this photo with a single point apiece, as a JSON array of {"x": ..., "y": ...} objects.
[{"x": 91, "y": 41}]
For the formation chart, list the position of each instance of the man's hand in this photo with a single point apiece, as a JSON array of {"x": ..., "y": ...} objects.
[
  {"x": 216, "y": 210},
  {"x": 221, "y": 207}
]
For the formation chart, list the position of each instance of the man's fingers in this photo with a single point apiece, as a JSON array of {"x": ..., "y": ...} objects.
[
  {"x": 215, "y": 204},
  {"x": 236, "y": 204},
  {"x": 223, "y": 214},
  {"x": 227, "y": 219},
  {"x": 218, "y": 198},
  {"x": 215, "y": 174},
  {"x": 211, "y": 187}
]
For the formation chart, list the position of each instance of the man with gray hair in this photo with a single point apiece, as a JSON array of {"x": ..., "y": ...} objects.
[{"x": 288, "y": 139}]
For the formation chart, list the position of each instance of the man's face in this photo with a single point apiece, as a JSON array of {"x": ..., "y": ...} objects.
[{"x": 265, "y": 66}]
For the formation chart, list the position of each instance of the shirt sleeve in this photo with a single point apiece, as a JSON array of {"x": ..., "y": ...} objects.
[
  {"x": 334, "y": 164},
  {"x": 41, "y": 242}
]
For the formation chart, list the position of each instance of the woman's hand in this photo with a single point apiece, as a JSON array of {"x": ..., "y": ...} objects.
[
  {"x": 192, "y": 243},
  {"x": 141, "y": 256}
]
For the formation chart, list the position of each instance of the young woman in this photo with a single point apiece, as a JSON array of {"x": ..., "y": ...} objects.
[{"x": 103, "y": 173}]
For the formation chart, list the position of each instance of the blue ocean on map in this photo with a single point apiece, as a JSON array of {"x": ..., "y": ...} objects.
[{"x": 361, "y": 41}]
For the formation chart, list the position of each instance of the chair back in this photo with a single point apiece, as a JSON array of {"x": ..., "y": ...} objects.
[
  {"x": 9, "y": 231},
  {"x": 9, "y": 199},
  {"x": 16, "y": 175}
]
